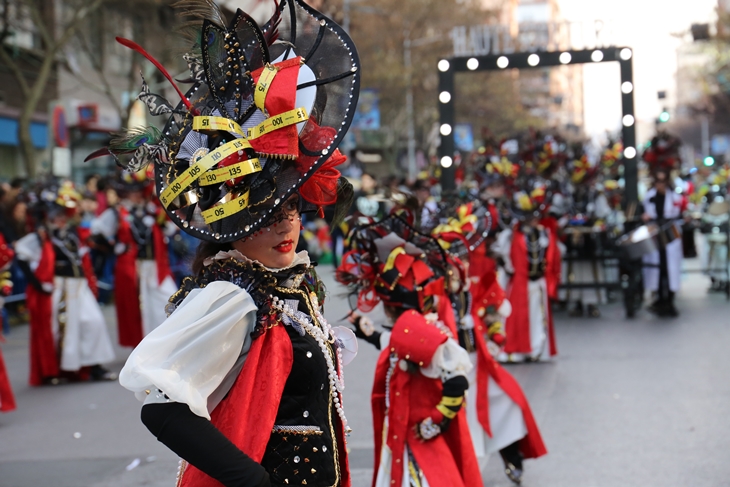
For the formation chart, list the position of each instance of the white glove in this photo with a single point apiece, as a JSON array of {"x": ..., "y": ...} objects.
[
  {"x": 119, "y": 248},
  {"x": 47, "y": 287},
  {"x": 493, "y": 348}
]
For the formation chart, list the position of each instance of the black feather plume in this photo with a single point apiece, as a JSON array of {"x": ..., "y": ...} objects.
[{"x": 345, "y": 197}]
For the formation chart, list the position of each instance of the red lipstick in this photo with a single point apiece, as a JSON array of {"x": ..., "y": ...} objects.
[{"x": 285, "y": 246}]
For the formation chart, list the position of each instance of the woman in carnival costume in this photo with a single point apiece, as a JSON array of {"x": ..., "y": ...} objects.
[
  {"x": 7, "y": 399},
  {"x": 421, "y": 435},
  {"x": 137, "y": 230},
  {"x": 498, "y": 413},
  {"x": 68, "y": 334},
  {"x": 531, "y": 260},
  {"x": 244, "y": 379}
]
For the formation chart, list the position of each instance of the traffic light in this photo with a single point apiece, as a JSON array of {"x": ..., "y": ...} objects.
[
  {"x": 664, "y": 116},
  {"x": 708, "y": 161}
]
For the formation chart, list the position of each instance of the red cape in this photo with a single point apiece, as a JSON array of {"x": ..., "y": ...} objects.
[
  {"x": 7, "y": 399},
  {"x": 247, "y": 415},
  {"x": 447, "y": 460},
  {"x": 531, "y": 445},
  {"x": 43, "y": 358},
  {"x": 126, "y": 284},
  {"x": 517, "y": 326},
  {"x": 88, "y": 268}
]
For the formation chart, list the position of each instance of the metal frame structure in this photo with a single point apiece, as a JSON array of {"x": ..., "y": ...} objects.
[{"x": 533, "y": 60}]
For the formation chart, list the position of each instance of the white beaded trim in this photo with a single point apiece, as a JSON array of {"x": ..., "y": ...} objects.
[{"x": 322, "y": 334}]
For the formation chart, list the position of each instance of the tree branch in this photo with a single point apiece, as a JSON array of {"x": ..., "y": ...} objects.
[
  {"x": 38, "y": 20},
  {"x": 15, "y": 69},
  {"x": 6, "y": 21},
  {"x": 79, "y": 15}
]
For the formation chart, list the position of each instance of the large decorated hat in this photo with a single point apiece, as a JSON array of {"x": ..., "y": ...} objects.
[
  {"x": 464, "y": 228},
  {"x": 262, "y": 119},
  {"x": 391, "y": 262},
  {"x": 662, "y": 154}
]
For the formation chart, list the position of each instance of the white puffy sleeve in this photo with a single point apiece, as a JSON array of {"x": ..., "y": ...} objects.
[
  {"x": 28, "y": 249},
  {"x": 106, "y": 224},
  {"x": 449, "y": 360},
  {"x": 502, "y": 247},
  {"x": 191, "y": 353}
]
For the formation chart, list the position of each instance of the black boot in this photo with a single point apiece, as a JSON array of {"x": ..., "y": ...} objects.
[
  {"x": 578, "y": 310},
  {"x": 671, "y": 310},
  {"x": 593, "y": 311},
  {"x": 99, "y": 373},
  {"x": 512, "y": 458}
]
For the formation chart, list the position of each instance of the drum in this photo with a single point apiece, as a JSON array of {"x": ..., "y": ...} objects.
[
  {"x": 649, "y": 238},
  {"x": 668, "y": 232},
  {"x": 718, "y": 208},
  {"x": 640, "y": 241}
]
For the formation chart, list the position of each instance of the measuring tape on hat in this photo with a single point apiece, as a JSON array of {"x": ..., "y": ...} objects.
[
  {"x": 226, "y": 209},
  {"x": 263, "y": 85},
  {"x": 292, "y": 117},
  {"x": 191, "y": 174},
  {"x": 222, "y": 174}
]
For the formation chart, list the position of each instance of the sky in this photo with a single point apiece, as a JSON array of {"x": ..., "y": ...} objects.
[{"x": 647, "y": 27}]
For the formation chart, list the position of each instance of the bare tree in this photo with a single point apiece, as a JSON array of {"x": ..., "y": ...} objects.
[{"x": 56, "y": 29}]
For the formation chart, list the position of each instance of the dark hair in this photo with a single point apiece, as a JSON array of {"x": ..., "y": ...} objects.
[
  {"x": 90, "y": 177},
  {"x": 205, "y": 250},
  {"x": 16, "y": 183}
]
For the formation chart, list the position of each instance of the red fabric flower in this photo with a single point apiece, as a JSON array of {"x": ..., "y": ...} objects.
[{"x": 321, "y": 188}]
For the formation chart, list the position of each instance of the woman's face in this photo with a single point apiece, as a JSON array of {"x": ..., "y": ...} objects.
[
  {"x": 19, "y": 212},
  {"x": 275, "y": 246}
]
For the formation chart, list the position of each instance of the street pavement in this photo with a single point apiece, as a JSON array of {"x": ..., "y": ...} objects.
[{"x": 640, "y": 402}]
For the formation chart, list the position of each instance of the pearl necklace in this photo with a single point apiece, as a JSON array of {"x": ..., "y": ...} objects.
[{"x": 323, "y": 335}]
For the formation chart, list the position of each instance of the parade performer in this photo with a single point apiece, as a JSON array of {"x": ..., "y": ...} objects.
[
  {"x": 244, "y": 379},
  {"x": 421, "y": 435},
  {"x": 715, "y": 222},
  {"x": 7, "y": 399},
  {"x": 68, "y": 334},
  {"x": 586, "y": 221},
  {"x": 663, "y": 268},
  {"x": 498, "y": 413},
  {"x": 531, "y": 259},
  {"x": 138, "y": 229}
]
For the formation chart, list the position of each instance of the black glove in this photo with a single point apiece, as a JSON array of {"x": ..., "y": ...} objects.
[
  {"x": 373, "y": 338},
  {"x": 454, "y": 387},
  {"x": 30, "y": 276},
  {"x": 201, "y": 444}
]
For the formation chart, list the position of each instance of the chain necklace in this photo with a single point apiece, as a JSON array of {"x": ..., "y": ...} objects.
[{"x": 535, "y": 251}]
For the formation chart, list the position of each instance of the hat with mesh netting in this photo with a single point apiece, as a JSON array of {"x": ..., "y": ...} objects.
[
  {"x": 391, "y": 262},
  {"x": 265, "y": 112}
]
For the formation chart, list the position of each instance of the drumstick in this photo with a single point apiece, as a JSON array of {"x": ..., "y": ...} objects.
[{"x": 631, "y": 210}]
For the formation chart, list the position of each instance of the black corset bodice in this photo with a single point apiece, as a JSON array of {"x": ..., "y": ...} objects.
[
  {"x": 142, "y": 233},
  {"x": 302, "y": 448},
  {"x": 535, "y": 254},
  {"x": 66, "y": 246}
]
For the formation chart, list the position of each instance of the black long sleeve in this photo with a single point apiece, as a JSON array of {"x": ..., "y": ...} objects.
[
  {"x": 372, "y": 339},
  {"x": 29, "y": 275},
  {"x": 454, "y": 387},
  {"x": 201, "y": 444}
]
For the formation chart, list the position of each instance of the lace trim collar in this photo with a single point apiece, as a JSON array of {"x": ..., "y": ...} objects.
[{"x": 301, "y": 258}]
